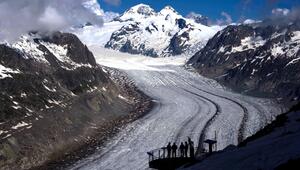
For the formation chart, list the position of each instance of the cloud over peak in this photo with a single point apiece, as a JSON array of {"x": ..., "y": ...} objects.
[{"x": 19, "y": 17}]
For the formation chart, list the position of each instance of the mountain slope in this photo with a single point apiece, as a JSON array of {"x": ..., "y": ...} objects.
[
  {"x": 55, "y": 98},
  {"x": 258, "y": 58},
  {"x": 163, "y": 33}
]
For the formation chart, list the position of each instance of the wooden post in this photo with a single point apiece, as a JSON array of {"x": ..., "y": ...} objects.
[{"x": 216, "y": 140}]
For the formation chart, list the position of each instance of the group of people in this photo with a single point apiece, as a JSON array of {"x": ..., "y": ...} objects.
[{"x": 183, "y": 149}]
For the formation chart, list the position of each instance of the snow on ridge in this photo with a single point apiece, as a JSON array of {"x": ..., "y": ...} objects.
[
  {"x": 30, "y": 49},
  {"x": 60, "y": 52},
  {"x": 287, "y": 48},
  {"x": 5, "y": 72}
]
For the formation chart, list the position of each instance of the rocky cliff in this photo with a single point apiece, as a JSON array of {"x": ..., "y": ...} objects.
[
  {"x": 260, "y": 59},
  {"x": 55, "y": 98}
]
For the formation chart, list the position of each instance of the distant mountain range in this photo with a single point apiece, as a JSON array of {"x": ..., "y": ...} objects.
[
  {"x": 158, "y": 34},
  {"x": 256, "y": 57}
]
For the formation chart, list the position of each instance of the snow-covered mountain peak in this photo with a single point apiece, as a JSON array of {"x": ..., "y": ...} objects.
[
  {"x": 138, "y": 12},
  {"x": 142, "y": 9},
  {"x": 141, "y": 30},
  {"x": 169, "y": 11}
]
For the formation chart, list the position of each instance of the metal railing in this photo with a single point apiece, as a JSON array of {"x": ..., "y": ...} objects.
[{"x": 162, "y": 153}]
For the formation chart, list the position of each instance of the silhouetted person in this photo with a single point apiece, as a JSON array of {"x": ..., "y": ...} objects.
[
  {"x": 181, "y": 148},
  {"x": 192, "y": 149},
  {"x": 186, "y": 148},
  {"x": 169, "y": 148},
  {"x": 189, "y": 140},
  {"x": 164, "y": 151},
  {"x": 174, "y": 149}
]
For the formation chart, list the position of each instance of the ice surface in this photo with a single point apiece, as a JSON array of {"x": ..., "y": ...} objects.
[{"x": 186, "y": 104}]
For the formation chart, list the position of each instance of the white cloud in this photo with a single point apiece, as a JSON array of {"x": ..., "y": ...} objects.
[
  {"x": 249, "y": 21},
  {"x": 280, "y": 11},
  {"x": 109, "y": 16},
  {"x": 52, "y": 20},
  {"x": 226, "y": 20},
  {"x": 18, "y": 17}
]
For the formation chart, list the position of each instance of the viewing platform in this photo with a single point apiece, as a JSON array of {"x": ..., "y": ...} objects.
[
  {"x": 162, "y": 159},
  {"x": 158, "y": 159}
]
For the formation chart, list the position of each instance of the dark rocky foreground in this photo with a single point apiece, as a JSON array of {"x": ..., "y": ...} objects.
[
  {"x": 259, "y": 59},
  {"x": 53, "y": 103}
]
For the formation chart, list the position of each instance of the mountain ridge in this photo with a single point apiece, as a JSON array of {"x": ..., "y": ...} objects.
[
  {"x": 56, "y": 98},
  {"x": 254, "y": 58},
  {"x": 156, "y": 34}
]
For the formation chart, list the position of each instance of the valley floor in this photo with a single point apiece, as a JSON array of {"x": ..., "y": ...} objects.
[{"x": 186, "y": 104}]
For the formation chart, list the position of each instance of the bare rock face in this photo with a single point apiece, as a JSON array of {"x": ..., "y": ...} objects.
[
  {"x": 259, "y": 59},
  {"x": 55, "y": 98}
]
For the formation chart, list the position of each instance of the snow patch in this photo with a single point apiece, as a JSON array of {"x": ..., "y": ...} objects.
[
  {"x": 122, "y": 97},
  {"x": 3, "y": 132},
  {"x": 23, "y": 95},
  {"x": 249, "y": 43},
  {"x": 19, "y": 125},
  {"x": 277, "y": 50},
  {"x": 47, "y": 88},
  {"x": 6, "y": 72}
]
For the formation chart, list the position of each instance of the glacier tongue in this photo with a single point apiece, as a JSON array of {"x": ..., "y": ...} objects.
[{"x": 186, "y": 104}]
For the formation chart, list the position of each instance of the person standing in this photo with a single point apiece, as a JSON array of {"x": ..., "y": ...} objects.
[
  {"x": 174, "y": 149},
  {"x": 186, "y": 147},
  {"x": 192, "y": 150},
  {"x": 189, "y": 140},
  {"x": 181, "y": 148},
  {"x": 169, "y": 148}
]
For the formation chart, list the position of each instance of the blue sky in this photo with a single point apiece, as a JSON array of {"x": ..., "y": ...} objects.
[{"x": 237, "y": 9}]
